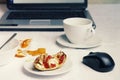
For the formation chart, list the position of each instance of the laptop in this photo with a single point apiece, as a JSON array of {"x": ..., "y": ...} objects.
[{"x": 43, "y": 14}]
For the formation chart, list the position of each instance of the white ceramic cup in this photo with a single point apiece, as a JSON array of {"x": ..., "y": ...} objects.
[{"x": 78, "y": 30}]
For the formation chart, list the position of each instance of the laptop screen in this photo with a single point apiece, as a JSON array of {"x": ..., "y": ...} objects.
[
  {"x": 46, "y": 4},
  {"x": 47, "y": 1}
]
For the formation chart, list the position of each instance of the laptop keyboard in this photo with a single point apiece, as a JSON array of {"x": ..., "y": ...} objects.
[{"x": 44, "y": 15}]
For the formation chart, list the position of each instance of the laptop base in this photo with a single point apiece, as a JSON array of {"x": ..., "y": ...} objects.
[{"x": 43, "y": 24}]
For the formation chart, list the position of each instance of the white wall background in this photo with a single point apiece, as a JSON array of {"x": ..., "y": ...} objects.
[{"x": 104, "y": 1}]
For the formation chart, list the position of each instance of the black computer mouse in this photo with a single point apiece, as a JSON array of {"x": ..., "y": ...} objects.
[{"x": 99, "y": 61}]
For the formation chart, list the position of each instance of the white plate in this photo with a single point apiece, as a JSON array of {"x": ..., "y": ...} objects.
[
  {"x": 64, "y": 69},
  {"x": 91, "y": 43},
  {"x": 4, "y": 37},
  {"x": 7, "y": 53}
]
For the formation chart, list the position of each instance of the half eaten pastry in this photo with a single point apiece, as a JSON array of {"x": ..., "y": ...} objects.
[{"x": 50, "y": 62}]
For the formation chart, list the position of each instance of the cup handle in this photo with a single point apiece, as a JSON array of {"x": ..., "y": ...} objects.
[
  {"x": 93, "y": 31},
  {"x": 90, "y": 33}
]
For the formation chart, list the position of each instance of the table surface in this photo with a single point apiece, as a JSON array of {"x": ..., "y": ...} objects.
[{"x": 107, "y": 19}]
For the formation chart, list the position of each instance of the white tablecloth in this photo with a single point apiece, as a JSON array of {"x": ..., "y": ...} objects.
[{"x": 107, "y": 19}]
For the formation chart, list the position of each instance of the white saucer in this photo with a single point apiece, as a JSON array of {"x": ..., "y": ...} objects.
[
  {"x": 64, "y": 69},
  {"x": 91, "y": 43}
]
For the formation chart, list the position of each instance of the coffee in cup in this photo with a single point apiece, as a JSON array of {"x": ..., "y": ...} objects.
[{"x": 78, "y": 30}]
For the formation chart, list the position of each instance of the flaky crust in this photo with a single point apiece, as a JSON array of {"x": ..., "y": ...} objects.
[{"x": 50, "y": 62}]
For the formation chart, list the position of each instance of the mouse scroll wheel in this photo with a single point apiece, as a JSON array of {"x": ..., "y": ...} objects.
[{"x": 91, "y": 53}]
